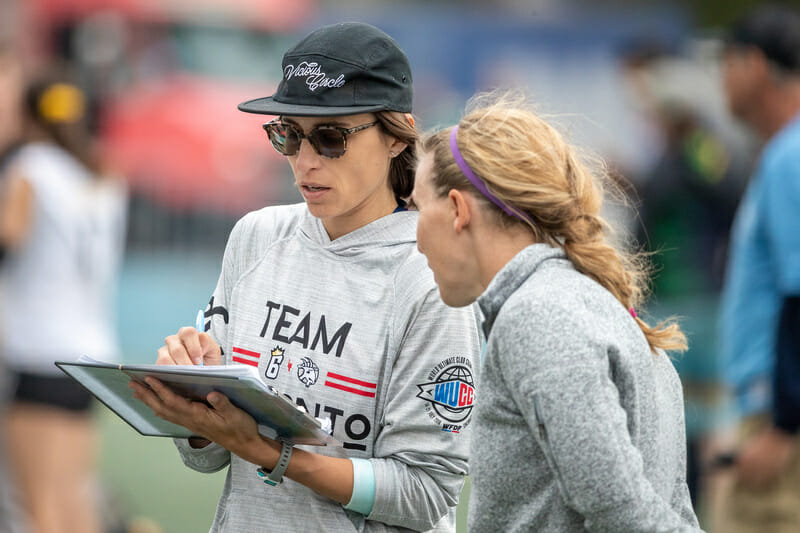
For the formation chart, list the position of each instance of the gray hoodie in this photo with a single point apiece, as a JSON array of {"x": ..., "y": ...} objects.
[
  {"x": 354, "y": 330},
  {"x": 579, "y": 426}
]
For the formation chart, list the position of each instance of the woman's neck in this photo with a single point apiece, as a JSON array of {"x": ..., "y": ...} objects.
[
  {"x": 499, "y": 246},
  {"x": 360, "y": 216}
]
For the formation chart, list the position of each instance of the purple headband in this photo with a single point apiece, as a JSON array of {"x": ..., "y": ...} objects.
[{"x": 477, "y": 182}]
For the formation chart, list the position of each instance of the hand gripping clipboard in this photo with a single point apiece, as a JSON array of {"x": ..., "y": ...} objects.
[{"x": 277, "y": 416}]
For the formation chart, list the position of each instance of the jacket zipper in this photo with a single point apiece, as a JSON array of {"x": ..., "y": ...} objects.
[{"x": 548, "y": 452}]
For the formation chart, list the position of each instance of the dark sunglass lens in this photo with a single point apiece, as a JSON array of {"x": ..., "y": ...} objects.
[
  {"x": 329, "y": 142},
  {"x": 292, "y": 139},
  {"x": 277, "y": 136},
  {"x": 284, "y": 139}
]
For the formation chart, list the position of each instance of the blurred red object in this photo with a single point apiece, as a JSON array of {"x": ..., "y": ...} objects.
[
  {"x": 182, "y": 142},
  {"x": 275, "y": 15},
  {"x": 178, "y": 137}
]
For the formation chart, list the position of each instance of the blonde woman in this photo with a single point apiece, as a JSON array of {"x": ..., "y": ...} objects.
[{"x": 579, "y": 424}]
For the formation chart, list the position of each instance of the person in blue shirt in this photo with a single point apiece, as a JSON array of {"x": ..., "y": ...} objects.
[{"x": 760, "y": 311}]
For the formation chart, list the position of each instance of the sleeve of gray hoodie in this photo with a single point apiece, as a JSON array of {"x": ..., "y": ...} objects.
[
  {"x": 214, "y": 457},
  {"x": 419, "y": 468},
  {"x": 560, "y": 378}
]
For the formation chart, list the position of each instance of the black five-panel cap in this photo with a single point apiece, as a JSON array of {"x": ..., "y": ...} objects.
[{"x": 342, "y": 69}]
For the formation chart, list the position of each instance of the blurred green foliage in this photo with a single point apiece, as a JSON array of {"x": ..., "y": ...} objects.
[{"x": 720, "y": 13}]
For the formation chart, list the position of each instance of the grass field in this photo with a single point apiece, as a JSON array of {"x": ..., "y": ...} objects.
[
  {"x": 145, "y": 477},
  {"x": 148, "y": 480}
]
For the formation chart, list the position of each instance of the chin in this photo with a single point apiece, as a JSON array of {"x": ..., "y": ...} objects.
[
  {"x": 318, "y": 210},
  {"x": 455, "y": 298}
]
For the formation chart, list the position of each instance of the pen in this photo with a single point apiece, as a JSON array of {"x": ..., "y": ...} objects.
[{"x": 199, "y": 325}]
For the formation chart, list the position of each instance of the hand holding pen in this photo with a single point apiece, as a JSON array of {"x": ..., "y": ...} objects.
[{"x": 190, "y": 346}]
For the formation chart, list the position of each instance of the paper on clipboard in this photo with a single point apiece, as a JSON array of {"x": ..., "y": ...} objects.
[{"x": 277, "y": 416}]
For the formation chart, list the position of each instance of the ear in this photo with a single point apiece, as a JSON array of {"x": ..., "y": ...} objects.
[
  {"x": 395, "y": 147},
  {"x": 461, "y": 208}
]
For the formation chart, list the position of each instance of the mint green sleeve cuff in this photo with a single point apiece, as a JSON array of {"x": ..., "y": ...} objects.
[{"x": 363, "y": 487}]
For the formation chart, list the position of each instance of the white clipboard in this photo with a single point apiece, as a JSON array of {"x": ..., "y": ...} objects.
[{"x": 277, "y": 416}]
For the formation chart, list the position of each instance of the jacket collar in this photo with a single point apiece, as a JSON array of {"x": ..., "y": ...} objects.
[{"x": 513, "y": 275}]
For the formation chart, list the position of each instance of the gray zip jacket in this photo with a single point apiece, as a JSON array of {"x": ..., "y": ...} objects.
[
  {"x": 579, "y": 426},
  {"x": 353, "y": 330}
]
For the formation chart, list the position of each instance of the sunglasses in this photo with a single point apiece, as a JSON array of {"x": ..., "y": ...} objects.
[{"x": 328, "y": 141}]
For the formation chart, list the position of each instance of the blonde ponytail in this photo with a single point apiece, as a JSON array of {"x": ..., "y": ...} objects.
[{"x": 528, "y": 166}]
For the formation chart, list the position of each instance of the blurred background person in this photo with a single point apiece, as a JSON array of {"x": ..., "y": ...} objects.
[
  {"x": 761, "y": 298},
  {"x": 686, "y": 205},
  {"x": 11, "y": 90},
  {"x": 61, "y": 222}
]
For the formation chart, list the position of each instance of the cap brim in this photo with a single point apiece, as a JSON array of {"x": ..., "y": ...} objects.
[{"x": 268, "y": 106}]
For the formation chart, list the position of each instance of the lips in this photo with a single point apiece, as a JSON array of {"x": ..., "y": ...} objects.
[
  {"x": 313, "y": 191},
  {"x": 311, "y": 185}
]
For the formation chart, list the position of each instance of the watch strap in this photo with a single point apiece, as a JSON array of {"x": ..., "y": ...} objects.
[{"x": 275, "y": 476}]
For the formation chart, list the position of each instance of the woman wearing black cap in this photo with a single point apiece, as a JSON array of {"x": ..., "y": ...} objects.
[{"x": 331, "y": 300}]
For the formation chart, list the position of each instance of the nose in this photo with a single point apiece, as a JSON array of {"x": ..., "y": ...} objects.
[{"x": 307, "y": 157}]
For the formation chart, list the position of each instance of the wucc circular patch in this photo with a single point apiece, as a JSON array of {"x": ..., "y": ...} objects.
[{"x": 449, "y": 394}]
